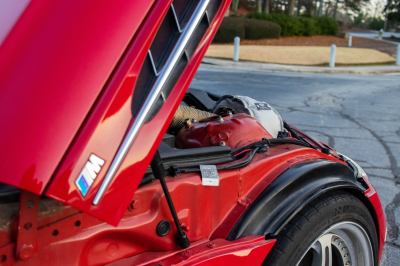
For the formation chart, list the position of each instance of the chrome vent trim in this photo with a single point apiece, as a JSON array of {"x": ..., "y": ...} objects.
[
  {"x": 162, "y": 77},
  {"x": 157, "y": 73},
  {"x": 176, "y": 19}
]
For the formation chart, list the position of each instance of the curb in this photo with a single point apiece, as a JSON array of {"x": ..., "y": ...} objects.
[{"x": 361, "y": 70}]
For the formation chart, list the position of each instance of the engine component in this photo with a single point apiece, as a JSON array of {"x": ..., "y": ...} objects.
[
  {"x": 183, "y": 114},
  {"x": 262, "y": 111},
  {"x": 199, "y": 99},
  {"x": 234, "y": 131}
]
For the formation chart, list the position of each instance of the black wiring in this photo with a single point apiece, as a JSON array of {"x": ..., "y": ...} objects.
[
  {"x": 254, "y": 147},
  {"x": 272, "y": 142},
  {"x": 291, "y": 131},
  {"x": 238, "y": 165}
]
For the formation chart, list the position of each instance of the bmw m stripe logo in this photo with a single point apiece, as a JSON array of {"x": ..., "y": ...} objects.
[{"x": 89, "y": 174}]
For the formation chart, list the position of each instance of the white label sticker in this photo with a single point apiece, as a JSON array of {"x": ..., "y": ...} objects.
[{"x": 209, "y": 175}]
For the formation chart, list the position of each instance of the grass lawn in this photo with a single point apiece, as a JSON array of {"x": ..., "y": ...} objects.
[{"x": 301, "y": 55}]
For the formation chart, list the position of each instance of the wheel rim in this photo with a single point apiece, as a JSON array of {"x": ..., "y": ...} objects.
[{"x": 344, "y": 243}]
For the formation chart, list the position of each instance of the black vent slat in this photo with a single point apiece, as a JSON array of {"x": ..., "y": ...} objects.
[
  {"x": 175, "y": 75},
  {"x": 154, "y": 109},
  {"x": 212, "y": 8},
  {"x": 169, "y": 85},
  {"x": 165, "y": 40},
  {"x": 190, "y": 48},
  {"x": 143, "y": 86},
  {"x": 184, "y": 10},
  {"x": 162, "y": 46},
  {"x": 197, "y": 36}
]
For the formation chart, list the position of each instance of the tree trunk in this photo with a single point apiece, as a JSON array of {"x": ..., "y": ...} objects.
[
  {"x": 298, "y": 7},
  {"x": 265, "y": 7},
  {"x": 335, "y": 9},
  {"x": 327, "y": 8},
  {"x": 271, "y": 6},
  {"x": 235, "y": 4},
  {"x": 258, "y": 5},
  {"x": 315, "y": 8},
  {"x": 291, "y": 7},
  {"x": 319, "y": 14}
]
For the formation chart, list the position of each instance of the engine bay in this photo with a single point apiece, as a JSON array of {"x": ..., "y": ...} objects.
[
  {"x": 205, "y": 120},
  {"x": 208, "y": 129}
]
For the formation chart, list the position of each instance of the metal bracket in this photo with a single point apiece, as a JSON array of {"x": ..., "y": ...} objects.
[{"x": 27, "y": 244}]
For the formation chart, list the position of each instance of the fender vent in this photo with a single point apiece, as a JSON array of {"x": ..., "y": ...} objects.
[
  {"x": 167, "y": 37},
  {"x": 176, "y": 40}
]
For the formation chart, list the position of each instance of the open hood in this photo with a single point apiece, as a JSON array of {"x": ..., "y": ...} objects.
[
  {"x": 55, "y": 59},
  {"x": 113, "y": 148}
]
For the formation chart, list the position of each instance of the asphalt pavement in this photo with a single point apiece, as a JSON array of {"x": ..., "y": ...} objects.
[
  {"x": 359, "y": 115},
  {"x": 374, "y": 34}
]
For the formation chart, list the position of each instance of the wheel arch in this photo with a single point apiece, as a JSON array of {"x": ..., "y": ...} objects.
[{"x": 280, "y": 201}]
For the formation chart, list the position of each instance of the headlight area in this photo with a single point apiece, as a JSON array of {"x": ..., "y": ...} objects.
[
  {"x": 8, "y": 194},
  {"x": 360, "y": 175}
]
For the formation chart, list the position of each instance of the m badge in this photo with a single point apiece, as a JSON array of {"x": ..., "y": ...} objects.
[{"x": 89, "y": 174}]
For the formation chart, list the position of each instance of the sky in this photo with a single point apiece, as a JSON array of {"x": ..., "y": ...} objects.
[{"x": 375, "y": 5}]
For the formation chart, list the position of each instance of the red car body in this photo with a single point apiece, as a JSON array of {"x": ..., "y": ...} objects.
[{"x": 68, "y": 71}]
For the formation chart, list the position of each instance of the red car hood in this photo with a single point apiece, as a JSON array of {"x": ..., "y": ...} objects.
[
  {"x": 53, "y": 65},
  {"x": 67, "y": 73}
]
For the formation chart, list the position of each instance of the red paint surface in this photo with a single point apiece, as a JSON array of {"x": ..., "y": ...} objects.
[
  {"x": 249, "y": 250},
  {"x": 104, "y": 130},
  {"x": 235, "y": 131},
  {"x": 53, "y": 65},
  {"x": 373, "y": 197},
  {"x": 207, "y": 212}
]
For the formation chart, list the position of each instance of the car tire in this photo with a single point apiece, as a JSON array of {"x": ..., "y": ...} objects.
[{"x": 335, "y": 227}]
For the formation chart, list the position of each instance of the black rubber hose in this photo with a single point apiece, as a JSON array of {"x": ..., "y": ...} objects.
[
  {"x": 238, "y": 165},
  {"x": 291, "y": 131},
  {"x": 272, "y": 142},
  {"x": 254, "y": 147}
]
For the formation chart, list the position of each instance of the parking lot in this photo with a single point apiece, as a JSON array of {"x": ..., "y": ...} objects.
[{"x": 359, "y": 115}]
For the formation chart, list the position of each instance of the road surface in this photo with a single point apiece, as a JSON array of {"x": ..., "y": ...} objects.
[
  {"x": 359, "y": 115},
  {"x": 374, "y": 34}
]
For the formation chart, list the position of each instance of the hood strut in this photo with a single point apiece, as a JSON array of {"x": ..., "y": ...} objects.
[{"x": 159, "y": 173}]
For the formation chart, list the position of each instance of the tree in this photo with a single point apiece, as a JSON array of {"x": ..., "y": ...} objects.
[
  {"x": 291, "y": 7},
  {"x": 392, "y": 10},
  {"x": 360, "y": 19},
  {"x": 349, "y": 5},
  {"x": 258, "y": 5},
  {"x": 235, "y": 4},
  {"x": 319, "y": 13},
  {"x": 308, "y": 5},
  {"x": 376, "y": 24},
  {"x": 265, "y": 7}
]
